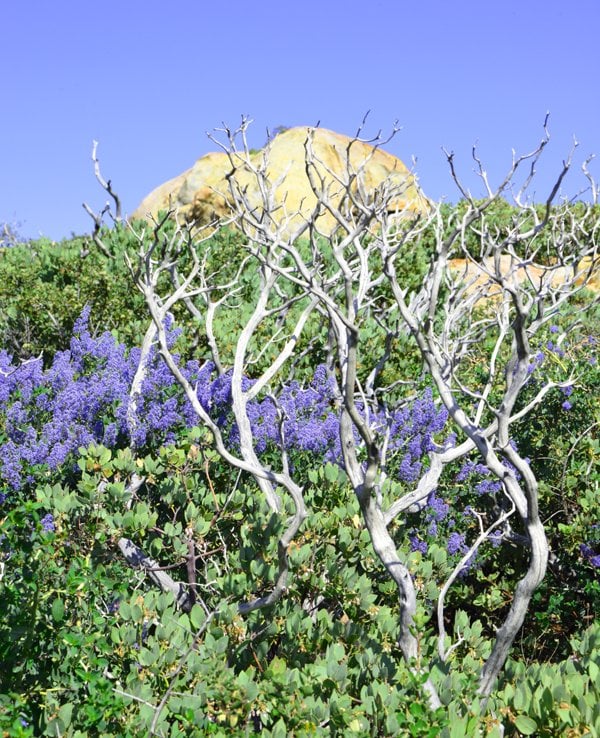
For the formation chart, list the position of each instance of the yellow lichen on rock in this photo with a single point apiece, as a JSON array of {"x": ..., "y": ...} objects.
[
  {"x": 202, "y": 194},
  {"x": 479, "y": 278}
]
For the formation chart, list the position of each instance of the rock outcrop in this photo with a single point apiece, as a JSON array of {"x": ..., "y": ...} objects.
[
  {"x": 202, "y": 193},
  {"x": 476, "y": 277}
]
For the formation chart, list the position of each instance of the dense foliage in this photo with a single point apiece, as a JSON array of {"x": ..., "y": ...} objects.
[{"x": 90, "y": 647}]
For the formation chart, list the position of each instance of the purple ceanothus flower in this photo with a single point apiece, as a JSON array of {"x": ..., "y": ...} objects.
[
  {"x": 456, "y": 543},
  {"x": 83, "y": 398},
  {"x": 489, "y": 485},
  {"x": 411, "y": 431},
  {"x": 47, "y": 523},
  {"x": 304, "y": 417},
  {"x": 437, "y": 509},
  {"x": 416, "y": 544},
  {"x": 538, "y": 359},
  {"x": 495, "y": 538},
  {"x": 590, "y": 555},
  {"x": 469, "y": 468}
]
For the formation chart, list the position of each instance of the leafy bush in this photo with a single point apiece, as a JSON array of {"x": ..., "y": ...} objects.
[
  {"x": 44, "y": 286},
  {"x": 60, "y": 557},
  {"x": 92, "y": 648}
]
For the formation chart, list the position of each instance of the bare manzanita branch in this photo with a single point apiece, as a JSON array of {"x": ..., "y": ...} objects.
[
  {"x": 480, "y": 303},
  {"x": 136, "y": 558},
  {"x": 98, "y": 218}
]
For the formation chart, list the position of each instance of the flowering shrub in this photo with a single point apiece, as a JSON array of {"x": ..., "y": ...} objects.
[
  {"x": 84, "y": 397},
  {"x": 89, "y": 386}
]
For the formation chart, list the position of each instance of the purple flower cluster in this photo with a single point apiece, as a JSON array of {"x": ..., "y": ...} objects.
[
  {"x": 47, "y": 523},
  {"x": 555, "y": 349},
  {"x": 567, "y": 392},
  {"x": 83, "y": 397},
  {"x": 304, "y": 418},
  {"x": 412, "y": 429},
  {"x": 495, "y": 538},
  {"x": 301, "y": 416},
  {"x": 416, "y": 544},
  {"x": 538, "y": 360},
  {"x": 472, "y": 470},
  {"x": 456, "y": 543},
  {"x": 437, "y": 509},
  {"x": 310, "y": 423},
  {"x": 590, "y": 555}
]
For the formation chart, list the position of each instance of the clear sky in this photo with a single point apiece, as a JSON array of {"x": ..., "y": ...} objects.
[{"x": 147, "y": 79}]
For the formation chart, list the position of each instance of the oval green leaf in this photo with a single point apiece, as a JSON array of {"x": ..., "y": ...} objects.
[
  {"x": 526, "y": 725},
  {"x": 58, "y": 609}
]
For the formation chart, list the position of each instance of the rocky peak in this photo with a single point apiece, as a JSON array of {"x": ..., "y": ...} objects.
[{"x": 202, "y": 193}]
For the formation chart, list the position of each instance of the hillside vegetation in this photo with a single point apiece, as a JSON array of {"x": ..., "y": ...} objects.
[{"x": 161, "y": 574}]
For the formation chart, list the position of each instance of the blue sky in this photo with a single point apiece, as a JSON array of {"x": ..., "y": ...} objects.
[{"x": 147, "y": 79}]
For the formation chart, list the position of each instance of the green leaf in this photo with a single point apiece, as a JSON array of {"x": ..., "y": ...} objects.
[
  {"x": 191, "y": 512},
  {"x": 279, "y": 729},
  {"x": 277, "y": 667},
  {"x": 125, "y": 610},
  {"x": 526, "y": 725},
  {"x": 313, "y": 476},
  {"x": 331, "y": 472},
  {"x": 337, "y": 652},
  {"x": 136, "y": 612},
  {"x": 197, "y": 617},
  {"x": 457, "y": 728},
  {"x": 65, "y": 714},
  {"x": 146, "y": 657},
  {"x": 521, "y": 698},
  {"x": 58, "y": 609}
]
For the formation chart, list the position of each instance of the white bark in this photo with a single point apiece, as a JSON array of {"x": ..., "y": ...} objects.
[
  {"x": 517, "y": 278},
  {"x": 447, "y": 329}
]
